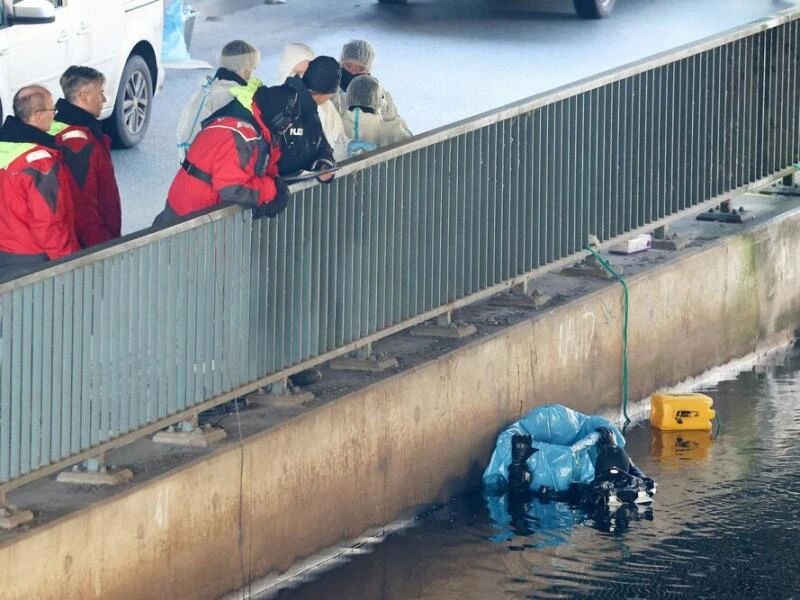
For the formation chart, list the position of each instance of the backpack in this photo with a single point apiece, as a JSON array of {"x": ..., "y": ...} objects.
[
  {"x": 358, "y": 146},
  {"x": 188, "y": 125}
]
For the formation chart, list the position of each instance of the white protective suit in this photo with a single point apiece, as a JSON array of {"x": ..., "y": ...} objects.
[
  {"x": 372, "y": 128},
  {"x": 238, "y": 59},
  {"x": 362, "y": 53},
  {"x": 291, "y": 56},
  {"x": 212, "y": 95}
]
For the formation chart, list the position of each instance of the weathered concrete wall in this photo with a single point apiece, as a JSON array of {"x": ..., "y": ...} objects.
[{"x": 360, "y": 460}]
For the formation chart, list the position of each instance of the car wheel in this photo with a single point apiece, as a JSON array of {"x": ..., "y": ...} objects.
[
  {"x": 594, "y": 9},
  {"x": 128, "y": 123}
]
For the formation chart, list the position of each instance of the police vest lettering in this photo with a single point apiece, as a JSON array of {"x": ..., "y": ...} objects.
[{"x": 298, "y": 131}]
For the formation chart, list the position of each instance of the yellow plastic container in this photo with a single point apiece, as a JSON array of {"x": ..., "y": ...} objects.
[{"x": 681, "y": 412}]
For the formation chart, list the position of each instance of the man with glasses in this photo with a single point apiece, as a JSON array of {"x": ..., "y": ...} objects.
[
  {"x": 36, "y": 213},
  {"x": 87, "y": 154}
]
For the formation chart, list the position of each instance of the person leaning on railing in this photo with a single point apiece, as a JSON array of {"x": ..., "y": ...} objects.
[
  {"x": 233, "y": 160},
  {"x": 304, "y": 146},
  {"x": 294, "y": 60},
  {"x": 36, "y": 211},
  {"x": 87, "y": 154}
]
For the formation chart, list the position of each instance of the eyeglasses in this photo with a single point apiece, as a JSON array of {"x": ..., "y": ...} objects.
[{"x": 53, "y": 110}]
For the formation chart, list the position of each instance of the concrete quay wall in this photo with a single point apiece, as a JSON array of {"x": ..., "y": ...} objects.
[{"x": 206, "y": 528}]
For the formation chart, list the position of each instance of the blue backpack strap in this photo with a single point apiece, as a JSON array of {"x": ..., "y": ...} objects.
[
  {"x": 357, "y": 112},
  {"x": 357, "y": 145},
  {"x": 207, "y": 89}
]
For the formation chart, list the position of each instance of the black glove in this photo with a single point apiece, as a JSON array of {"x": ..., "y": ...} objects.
[
  {"x": 323, "y": 164},
  {"x": 277, "y": 205}
]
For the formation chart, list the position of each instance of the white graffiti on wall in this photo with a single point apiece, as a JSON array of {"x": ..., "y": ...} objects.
[
  {"x": 575, "y": 337},
  {"x": 782, "y": 259}
]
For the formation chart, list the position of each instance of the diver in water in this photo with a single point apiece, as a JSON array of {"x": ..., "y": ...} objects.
[
  {"x": 519, "y": 477},
  {"x": 617, "y": 479}
]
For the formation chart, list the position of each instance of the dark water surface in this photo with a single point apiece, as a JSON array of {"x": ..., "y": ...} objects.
[{"x": 724, "y": 525}]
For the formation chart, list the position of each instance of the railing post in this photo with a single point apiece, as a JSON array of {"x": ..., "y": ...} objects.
[
  {"x": 663, "y": 240},
  {"x": 189, "y": 433},
  {"x": 10, "y": 516},
  {"x": 281, "y": 394},
  {"x": 93, "y": 471},
  {"x": 444, "y": 327},
  {"x": 364, "y": 360},
  {"x": 524, "y": 295}
]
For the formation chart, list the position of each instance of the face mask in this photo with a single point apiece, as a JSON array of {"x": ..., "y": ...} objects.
[{"x": 347, "y": 77}]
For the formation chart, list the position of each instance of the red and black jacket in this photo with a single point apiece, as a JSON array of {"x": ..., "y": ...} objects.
[
  {"x": 36, "y": 212},
  {"x": 87, "y": 153},
  {"x": 231, "y": 161}
]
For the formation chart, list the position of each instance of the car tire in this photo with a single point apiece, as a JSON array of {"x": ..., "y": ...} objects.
[
  {"x": 133, "y": 105},
  {"x": 594, "y": 9}
]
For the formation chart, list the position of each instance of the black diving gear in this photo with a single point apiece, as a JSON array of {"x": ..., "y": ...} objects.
[
  {"x": 519, "y": 477},
  {"x": 617, "y": 480}
]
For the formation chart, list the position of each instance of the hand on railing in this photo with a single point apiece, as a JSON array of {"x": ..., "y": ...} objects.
[
  {"x": 275, "y": 206},
  {"x": 326, "y": 169}
]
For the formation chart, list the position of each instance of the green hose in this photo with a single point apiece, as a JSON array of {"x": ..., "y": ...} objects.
[{"x": 619, "y": 278}]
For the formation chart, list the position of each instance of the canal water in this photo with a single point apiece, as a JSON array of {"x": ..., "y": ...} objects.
[{"x": 724, "y": 524}]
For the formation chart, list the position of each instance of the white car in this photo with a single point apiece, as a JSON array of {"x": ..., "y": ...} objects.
[{"x": 39, "y": 39}]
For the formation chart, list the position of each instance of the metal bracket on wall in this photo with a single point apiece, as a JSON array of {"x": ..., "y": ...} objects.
[
  {"x": 663, "y": 240},
  {"x": 444, "y": 327},
  {"x": 363, "y": 359},
  {"x": 724, "y": 214},
  {"x": 281, "y": 394},
  {"x": 93, "y": 471},
  {"x": 190, "y": 433},
  {"x": 10, "y": 516},
  {"x": 524, "y": 295}
]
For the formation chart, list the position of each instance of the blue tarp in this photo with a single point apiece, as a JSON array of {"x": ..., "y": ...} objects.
[
  {"x": 565, "y": 440},
  {"x": 173, "y": 48}
]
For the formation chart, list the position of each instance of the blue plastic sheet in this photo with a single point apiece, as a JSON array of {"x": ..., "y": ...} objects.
[
  {"x": 174, "y": 40},
  {"x": 566, "y": 444}
]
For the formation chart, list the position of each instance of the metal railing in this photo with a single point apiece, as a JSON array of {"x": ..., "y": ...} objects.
[{"x": 115, "y": 344}]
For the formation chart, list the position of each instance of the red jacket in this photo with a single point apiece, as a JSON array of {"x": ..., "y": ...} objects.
[
  {"x": 232, "y": 160},
  {"x": 36, "y": 214},
  {"x": 87, "y": 153}
]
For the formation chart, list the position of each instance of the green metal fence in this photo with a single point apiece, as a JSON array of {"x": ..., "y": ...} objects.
[{"x": 112, "y": 345}]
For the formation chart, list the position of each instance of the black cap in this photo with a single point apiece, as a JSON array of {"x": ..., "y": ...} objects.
[{"x": 323, "y": 75}]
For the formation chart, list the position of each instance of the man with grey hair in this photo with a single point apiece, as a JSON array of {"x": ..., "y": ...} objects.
[
  {"x": 36, "y": 215},
  {"x": 87, "y": 154},
  {"x": 238, "y": 60}
]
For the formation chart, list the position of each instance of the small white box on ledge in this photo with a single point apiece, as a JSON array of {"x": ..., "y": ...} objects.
[{"x": 638, "y": 244}]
